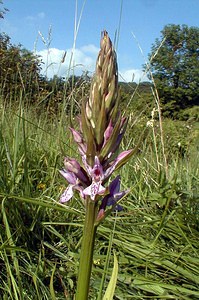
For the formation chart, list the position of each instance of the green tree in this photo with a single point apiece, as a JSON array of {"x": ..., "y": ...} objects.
[
  {"x": 174, "y": 62},
  {"x": 19, "y": 71}
]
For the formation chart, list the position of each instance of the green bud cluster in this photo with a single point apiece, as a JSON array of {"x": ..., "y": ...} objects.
[{"x": 102, "y": 105}]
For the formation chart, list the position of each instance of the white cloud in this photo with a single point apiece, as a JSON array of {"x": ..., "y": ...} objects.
[
  {"x": 90, "y": 49},
  {"x": 65, "y": 63},
  {"x": 39, "y": 16}
]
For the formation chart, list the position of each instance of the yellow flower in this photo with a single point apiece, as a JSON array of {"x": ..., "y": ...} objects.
[{"x": 41, "y": 186}]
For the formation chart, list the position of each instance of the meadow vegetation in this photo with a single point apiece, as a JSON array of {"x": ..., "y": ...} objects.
[{"x": 155, "y": 237}]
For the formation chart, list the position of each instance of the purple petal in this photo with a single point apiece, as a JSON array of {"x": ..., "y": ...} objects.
[
  {"x": 115, "y": 186},
  {"x": 109, "y": 200},
  {"x": 79, "y": 140},
  {"x": 119, "y": 195},
  {"x": 69, "y": 176},
  {"x": 114, "y": 195},
  {"x": 112, "y": 200},
  {"x": 73, "y": 166}
]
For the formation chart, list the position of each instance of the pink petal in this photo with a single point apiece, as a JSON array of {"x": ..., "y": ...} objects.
[
  {"x": 123, "y": 154},
  {"x": 67, "y": 194},
  {"x": 118, "y": 160},
  {"x": 108, "y": 132},
  {"x": 87, "y": 166},
  {"x": 76, "y": 135}
]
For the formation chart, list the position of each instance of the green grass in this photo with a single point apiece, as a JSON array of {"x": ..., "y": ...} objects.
[{"x": 155, "y": 237}]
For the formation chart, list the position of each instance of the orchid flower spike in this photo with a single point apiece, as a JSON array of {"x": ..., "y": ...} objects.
[{"x": 101, "y": 130}]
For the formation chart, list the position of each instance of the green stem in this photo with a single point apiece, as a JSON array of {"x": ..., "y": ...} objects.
[{"x": 86, "y": 256}]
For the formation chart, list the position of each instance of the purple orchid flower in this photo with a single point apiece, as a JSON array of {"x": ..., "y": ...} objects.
[
  {"x": 98, "y": 175},
  {"x": 78, "y": 179},
  {"x": 90, "y": 182}
]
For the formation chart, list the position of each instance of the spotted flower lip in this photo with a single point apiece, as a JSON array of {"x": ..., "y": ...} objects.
[{"x": 97, "y": 176}]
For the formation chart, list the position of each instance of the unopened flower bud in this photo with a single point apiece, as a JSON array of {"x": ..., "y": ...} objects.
[{"x": 102, "y": 104}]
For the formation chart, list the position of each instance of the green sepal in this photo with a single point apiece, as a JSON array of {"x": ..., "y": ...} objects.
[
  {"x": 114, "y": 112},
  {"x": 88, "y": 136},
  {"x": 95, "y": 100},
  {"x": 101, "y": 123},
  {"x": 112, "y": 90}
]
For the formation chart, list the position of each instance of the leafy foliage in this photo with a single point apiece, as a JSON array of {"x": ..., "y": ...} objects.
[
  {"x": 19, "y": 71},
  {"x": 174, "y": 62}
]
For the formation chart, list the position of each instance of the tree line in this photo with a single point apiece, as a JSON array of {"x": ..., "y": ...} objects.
[{"x": 173, "y": 69}]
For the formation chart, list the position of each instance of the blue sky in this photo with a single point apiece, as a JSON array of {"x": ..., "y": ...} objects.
[{"x": 29, "y": 23}]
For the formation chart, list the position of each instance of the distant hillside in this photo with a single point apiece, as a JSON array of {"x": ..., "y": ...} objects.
[{"x": 143, "y": 87}]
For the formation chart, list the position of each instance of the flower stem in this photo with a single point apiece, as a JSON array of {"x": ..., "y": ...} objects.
[{"x": 86, "y": 256}]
